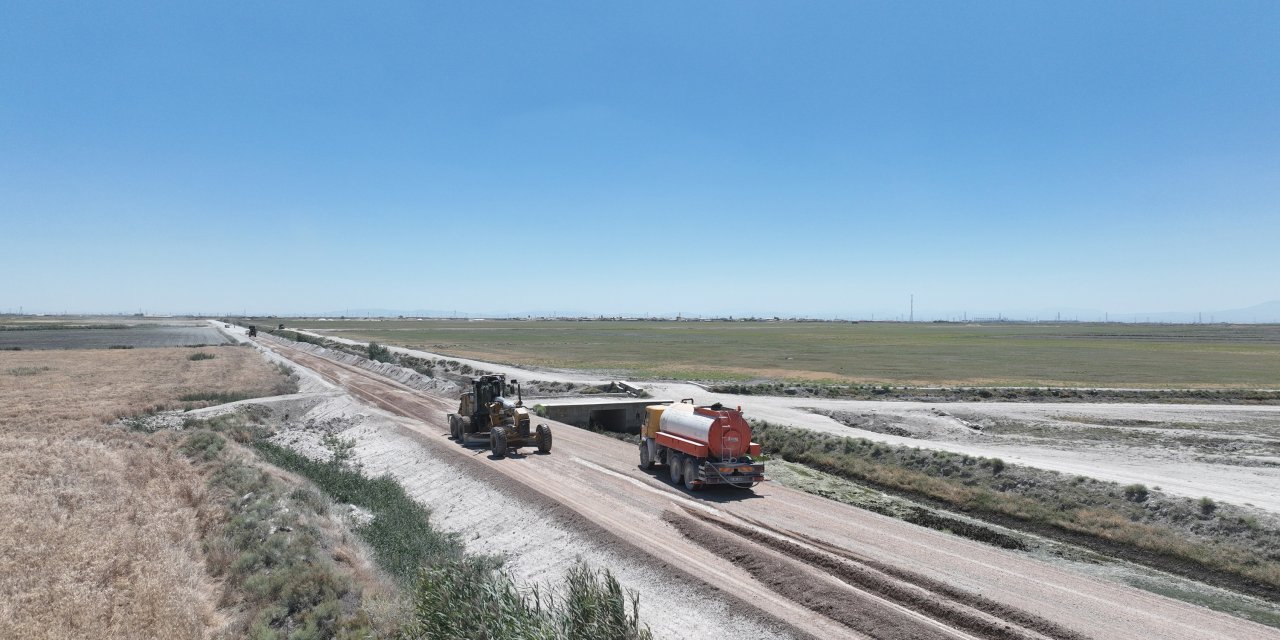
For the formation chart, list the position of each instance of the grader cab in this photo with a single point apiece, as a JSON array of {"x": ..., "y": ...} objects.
[{"x": 486, "y": 417}]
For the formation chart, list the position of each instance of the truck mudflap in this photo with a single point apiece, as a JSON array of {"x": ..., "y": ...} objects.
[{"x": 735, "y": 473}]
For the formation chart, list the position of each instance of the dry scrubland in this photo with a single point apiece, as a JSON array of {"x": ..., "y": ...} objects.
[
  {"x": 102, "y": 527},
  {"x": 1060, "y": 355}
]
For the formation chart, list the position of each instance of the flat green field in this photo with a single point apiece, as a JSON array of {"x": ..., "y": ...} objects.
[{"x": 1101, "y": 355}]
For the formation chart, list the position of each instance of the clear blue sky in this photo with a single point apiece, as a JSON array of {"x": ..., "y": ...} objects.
[{"x": 705, "y": 157}]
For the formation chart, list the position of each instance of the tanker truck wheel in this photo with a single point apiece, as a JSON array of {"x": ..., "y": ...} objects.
[
  {"x": 690, "y": 474},
  {"x": 543, "y": 439},
  {"x": 498, "y": 441},
  {"x": 675, "y": 467},
  {"x": 646, "y": 463}
]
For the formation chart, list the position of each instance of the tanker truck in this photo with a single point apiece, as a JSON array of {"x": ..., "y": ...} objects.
[{"x": 701, "y": 445}]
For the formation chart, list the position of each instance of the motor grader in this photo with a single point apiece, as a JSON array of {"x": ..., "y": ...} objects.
[{"x": 486, "y": 417}]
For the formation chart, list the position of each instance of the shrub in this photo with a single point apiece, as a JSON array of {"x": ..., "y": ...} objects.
[
  {"x": 341, "y": 447},
  {"x": 202, "y": 445},
  {"x": 1136, "y": 492},
  {"x": 1208, "y": 506},
  {"x": 200, "y": 355},
  {"x": 380, "y": 353},
  {"x": 469, "y": 600},
  {"x": 997, "y": 465}
]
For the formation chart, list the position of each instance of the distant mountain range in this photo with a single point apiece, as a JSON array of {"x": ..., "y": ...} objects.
[{"x": 1267, "y": 312}]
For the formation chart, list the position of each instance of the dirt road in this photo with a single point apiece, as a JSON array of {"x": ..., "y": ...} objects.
[{"x": 819, "y": 567}]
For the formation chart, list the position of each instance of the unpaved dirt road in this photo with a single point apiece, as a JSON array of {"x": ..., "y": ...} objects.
[{"x": 819, "y": 567}]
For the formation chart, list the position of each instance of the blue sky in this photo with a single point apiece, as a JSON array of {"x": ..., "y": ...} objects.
[{"x": 737, "y": 157}]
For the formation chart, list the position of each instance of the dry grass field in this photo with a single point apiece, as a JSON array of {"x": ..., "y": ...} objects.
[{"x": 102, "y": 526}]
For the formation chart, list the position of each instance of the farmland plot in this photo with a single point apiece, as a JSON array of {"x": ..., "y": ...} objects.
[{"x": 136, "y": 337}]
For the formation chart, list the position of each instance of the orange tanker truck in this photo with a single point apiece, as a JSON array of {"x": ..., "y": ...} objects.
[{"x": 701, "y": 446}]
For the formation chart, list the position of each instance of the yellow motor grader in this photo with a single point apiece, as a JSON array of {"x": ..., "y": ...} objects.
[{"x": 486, "y": 417}]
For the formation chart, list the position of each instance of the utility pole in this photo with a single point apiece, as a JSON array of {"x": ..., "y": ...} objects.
[{"x": 912, "y": 317}]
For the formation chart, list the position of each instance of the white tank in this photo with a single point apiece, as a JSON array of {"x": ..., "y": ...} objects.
[{"x": 679, "y": 419}]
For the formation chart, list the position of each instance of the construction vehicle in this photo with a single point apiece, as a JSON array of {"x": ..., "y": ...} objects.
[
  {"x": 486, "y": 417},
  {"x": 701, "y": 445},
  {"x": 253, "y": 331}
]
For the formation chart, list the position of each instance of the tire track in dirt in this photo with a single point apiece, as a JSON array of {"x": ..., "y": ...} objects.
[
  {"x": 1012, "y": 614},
  {"x": 972, "y": 613},
  {"x": 798, "y": 581}
]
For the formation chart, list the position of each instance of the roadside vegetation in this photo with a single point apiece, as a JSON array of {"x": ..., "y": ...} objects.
[
  {"x": 442, "y": 367},
  {"x": 289, "y": 565},
  {"x": 1217, "y": 543},
  {"x": 448, "y": 592}
]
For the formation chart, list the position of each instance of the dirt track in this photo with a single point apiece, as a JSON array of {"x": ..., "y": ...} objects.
[{"x": 819, "y": 567}]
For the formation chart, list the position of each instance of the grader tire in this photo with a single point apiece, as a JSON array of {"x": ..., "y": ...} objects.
[
  {"x": 646, "y": 462},
  {"x": 691, "y": 474},
  {"x": 498, "y": 441},
  {"x": 675, "y": 467},
  {"x": 463, "y": 422},
  {"x": 543, "y": 439},
  {"x": 453, "y": 426}
]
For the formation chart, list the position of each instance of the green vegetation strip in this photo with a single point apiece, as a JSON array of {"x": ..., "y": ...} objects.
[
  {"x": 1218, "y": 544},
  {"x": 400, "y": 533},
  {"x": 454, "y": 594},
  {"x": 271, "y": 551},
  {"x": 219, "y": 397},
  {"x": 458, "y": 595}
]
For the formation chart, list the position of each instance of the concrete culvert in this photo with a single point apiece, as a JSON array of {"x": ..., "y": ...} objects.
[{"x": 610, "y": 419}]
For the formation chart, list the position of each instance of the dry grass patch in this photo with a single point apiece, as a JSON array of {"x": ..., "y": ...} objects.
[{"x": 102, "y": 527}]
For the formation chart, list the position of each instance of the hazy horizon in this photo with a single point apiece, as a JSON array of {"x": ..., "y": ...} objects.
[{"x": 1264, "y": 313}]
